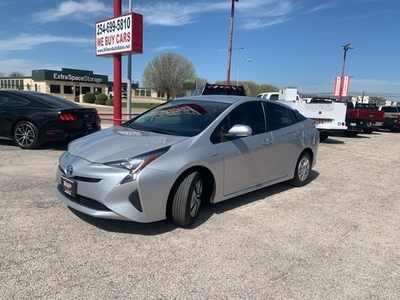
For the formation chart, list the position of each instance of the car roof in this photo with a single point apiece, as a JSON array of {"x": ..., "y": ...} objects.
[
  {"x": 48, "y": 99},
  {"x": 227, "y": 99},
  {"x": 216, "y": 98},
  {"x": 21, "y": 92}
]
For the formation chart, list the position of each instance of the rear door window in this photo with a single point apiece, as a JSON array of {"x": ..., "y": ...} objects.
[{"x": 279, "y": 116}]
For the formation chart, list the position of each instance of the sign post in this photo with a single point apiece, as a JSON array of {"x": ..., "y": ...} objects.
[{"x": 120, "y": 35}]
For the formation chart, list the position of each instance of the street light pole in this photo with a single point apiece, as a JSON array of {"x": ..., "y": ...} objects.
[
  {"x": 129, "y": 75},
  {"x": 237, "y": 77},
  {"x": 228, "y": 71},
  {"x": 345, "y": 48}
]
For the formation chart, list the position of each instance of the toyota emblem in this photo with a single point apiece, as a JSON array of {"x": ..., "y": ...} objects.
[{"x": 68, "y": 170}]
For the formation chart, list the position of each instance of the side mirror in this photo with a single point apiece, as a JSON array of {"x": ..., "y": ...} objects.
[{"x": 239, "y": 131}]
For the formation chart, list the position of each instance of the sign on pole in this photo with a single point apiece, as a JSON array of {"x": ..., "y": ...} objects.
[
  {"x": 121, "y": 35},
  {"x": 341, "y": 85},
  {"x": 346, "y": 82}
]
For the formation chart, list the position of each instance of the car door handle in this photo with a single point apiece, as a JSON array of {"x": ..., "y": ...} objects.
[
  {"x": 267, "y": 142},
  {"x": 297, "y": 134}
]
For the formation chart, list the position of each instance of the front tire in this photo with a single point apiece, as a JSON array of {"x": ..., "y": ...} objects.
[
  {"x": 26, "y": 135},
  {"x": 187, "y": 199},
  {"x": 302, "y": 171}
]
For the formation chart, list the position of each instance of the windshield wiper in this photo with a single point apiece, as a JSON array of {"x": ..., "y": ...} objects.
[{"x": 162, "y": 132}]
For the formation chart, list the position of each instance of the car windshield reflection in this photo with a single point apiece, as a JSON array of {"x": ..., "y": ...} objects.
[{"x": 178, "y": 117}]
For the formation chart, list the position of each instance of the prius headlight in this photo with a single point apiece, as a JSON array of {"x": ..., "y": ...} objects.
[
  {"x": 131, "y": 164},
  {"x": 135, "y": 164}
]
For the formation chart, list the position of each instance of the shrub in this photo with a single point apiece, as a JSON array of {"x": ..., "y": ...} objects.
[
  {"x": 89, "y": 98},
  {"x": 101, "y": 97},
  {"x": 100, "y": 101},
  {"x": 110, "y": 102}
]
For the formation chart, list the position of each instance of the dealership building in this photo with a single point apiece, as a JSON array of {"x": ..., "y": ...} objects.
[{"x": 69, "y": 83}]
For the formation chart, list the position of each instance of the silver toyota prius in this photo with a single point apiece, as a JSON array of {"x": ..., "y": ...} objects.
[{"x": 165, "y": 162}]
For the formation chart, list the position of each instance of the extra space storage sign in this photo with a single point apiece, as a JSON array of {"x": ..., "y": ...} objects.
[{"x": 120, "y": 35}]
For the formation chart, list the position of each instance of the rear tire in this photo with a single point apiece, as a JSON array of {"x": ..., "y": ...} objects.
[
  {"x": 350, "y": 133},
  {"x": 323, "y": 135},
  {"x": 26, "y": 135},
  {"x": 302, "y": 171},
  {"x": 187, "y": 199},
  {"x": 368, "y": 130}
]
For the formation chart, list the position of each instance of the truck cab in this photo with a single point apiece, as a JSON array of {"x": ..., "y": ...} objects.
[
  {"x": 391, "y": 120},
  {"x": 270, "y": 95},
  {"x": 286, "y": 94}
]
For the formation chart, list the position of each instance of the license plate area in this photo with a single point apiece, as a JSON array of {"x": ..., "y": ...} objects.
[{"x": 68, "y": 186}]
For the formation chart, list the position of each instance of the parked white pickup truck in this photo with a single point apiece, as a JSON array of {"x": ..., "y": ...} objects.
[{"x": 329, "y": 115}]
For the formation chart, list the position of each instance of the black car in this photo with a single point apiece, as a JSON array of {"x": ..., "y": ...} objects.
[{"x": 31, "y": 118}]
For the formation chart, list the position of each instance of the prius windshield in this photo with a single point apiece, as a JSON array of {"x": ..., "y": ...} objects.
[{"x": 179, "y": 117}]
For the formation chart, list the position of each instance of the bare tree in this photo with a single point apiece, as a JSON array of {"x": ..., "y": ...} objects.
[
  {"x": 200, "y": 81},
  {"x": 16, "y": 74},
  {"x": 253, "y": 89},
  {"x": 191, "y": 84},
  {"x": 167, "y": 72}
]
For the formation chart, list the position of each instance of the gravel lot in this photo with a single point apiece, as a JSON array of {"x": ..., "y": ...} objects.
[{"x": 336, "y": 238}]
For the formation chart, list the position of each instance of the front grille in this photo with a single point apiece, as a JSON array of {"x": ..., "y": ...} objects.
[
  {"x": 85, "y": 201},
  {"x": 86, "y": 179},
  {"x": 80, "y": 178}
]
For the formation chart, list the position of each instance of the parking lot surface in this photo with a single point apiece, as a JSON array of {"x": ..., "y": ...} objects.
[{"x": 336, "y": 238}]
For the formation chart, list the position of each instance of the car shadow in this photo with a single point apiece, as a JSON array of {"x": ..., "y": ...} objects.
[
  {"x": 129, "y": 227},
  {"x": 332, "y": 140},
  {"x": 54, "y": 146},
  {"x": 45, "y": 146},
  {"x": 6, "y": 142},
  {"x": 207, "y": 210},
  {"x": 359, "y": 136}
]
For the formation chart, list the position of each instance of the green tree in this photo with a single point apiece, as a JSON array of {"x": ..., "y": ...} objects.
[
  {"x": 167, "y": 72},
  {"x": 253, "y": 89}
]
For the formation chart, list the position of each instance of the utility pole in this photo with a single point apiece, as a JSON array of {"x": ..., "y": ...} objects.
[
  {"x": 228, "y": 71},
  {"x": 345, "y": 48}
]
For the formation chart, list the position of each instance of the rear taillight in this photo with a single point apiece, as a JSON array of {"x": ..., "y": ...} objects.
[
  {"x": 398, "y": 116},
  {"x": 66, "y": 117}
]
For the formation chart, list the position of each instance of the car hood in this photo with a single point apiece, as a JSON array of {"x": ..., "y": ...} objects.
[{"x": 118, "y": 143}]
